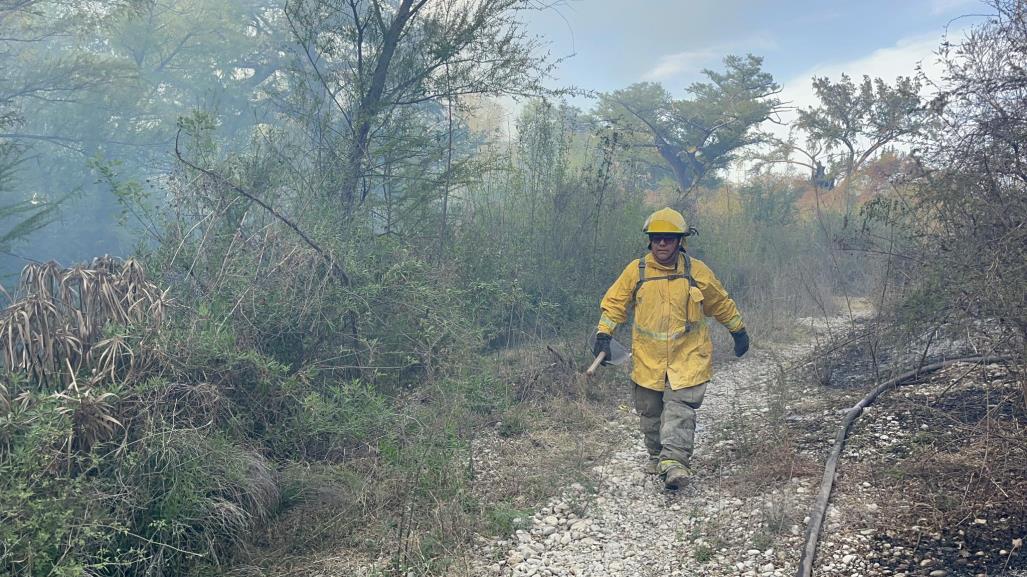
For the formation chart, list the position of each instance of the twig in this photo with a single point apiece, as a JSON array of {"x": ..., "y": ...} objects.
[
  {"x": 559, "y": 357},
  {"x": 958, "y": 380}
]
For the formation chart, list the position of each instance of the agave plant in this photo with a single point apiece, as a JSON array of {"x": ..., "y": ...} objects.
[
  {"x": 58, "y": 326},
  {"x": 91, "y": 414}
]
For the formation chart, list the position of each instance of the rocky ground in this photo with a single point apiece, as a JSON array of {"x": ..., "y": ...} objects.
[
  {"x": 933, "y": 480},
  {"x": 765, "y": 429}
]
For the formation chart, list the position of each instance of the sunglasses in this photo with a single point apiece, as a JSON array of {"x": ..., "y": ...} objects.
[{"x": 663, "y": 238}]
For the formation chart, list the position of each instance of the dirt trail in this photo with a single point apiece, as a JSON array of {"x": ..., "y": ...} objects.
[{"x": 764, "y": 431}]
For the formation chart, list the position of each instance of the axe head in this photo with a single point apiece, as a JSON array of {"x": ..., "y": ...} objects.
[{"x": 618, "y": 354}]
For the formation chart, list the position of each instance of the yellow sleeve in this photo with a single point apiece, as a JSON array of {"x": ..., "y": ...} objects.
[
  {"x": 716, "y": 302},
  {"x": 617, "y": 299}
]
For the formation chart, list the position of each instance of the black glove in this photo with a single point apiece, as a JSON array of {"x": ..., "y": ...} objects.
[
  {"x": 602, "y": 345},
  {"x": 741, "y": 342}
]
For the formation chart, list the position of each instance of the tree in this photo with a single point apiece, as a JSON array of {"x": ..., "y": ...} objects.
[
  {"x": 89, "y": 83},
  {"x": 699, "y": 135},
  {"x": 22, "y": 30},
  {"x": 771, "y": 199},
  {"x": 851, "y": 125},
  {"x": 970, "y": 209},
  {"x": 372, "y": 59}
]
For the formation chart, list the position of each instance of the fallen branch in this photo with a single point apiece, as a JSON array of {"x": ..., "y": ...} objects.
[
  {"x": 816, "y": 522},
  {"x": 336, "y": 269}
]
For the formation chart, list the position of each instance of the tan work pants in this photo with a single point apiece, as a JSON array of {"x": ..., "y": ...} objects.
[{"x": 667, "y": 420}]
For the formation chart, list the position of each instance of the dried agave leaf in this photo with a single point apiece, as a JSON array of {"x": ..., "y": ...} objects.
[
  {"x": 47, "y": 279},
  {"x": 50, "y": 332},
  {"x": 91, "y": 415}
]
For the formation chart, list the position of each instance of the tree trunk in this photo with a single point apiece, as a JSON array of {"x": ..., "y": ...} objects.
[
  {"x": 685, "y": 174},
  {"x": 371, "y": 102},
  {"x": 443, "y": 231}
]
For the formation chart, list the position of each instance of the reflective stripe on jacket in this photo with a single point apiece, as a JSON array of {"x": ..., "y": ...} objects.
[{"x": 662, "y": 350}]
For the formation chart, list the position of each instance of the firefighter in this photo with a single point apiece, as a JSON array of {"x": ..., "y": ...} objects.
[{"x": 672, "y": 294}]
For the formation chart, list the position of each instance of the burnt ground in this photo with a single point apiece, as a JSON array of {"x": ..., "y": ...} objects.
[{"x": 933, "y": 480}]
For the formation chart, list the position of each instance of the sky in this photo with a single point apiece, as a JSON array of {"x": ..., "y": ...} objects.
[{"x": 610, "y": 44}]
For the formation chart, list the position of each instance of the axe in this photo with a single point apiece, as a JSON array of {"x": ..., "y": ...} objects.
[{"x": 618, "y": 355}]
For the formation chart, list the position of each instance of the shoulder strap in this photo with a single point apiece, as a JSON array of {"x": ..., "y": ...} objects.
[
  {"x": 687, "y": 274},
  {"x": 688, "y": 269},
  {"x": 643, "y": 279}
]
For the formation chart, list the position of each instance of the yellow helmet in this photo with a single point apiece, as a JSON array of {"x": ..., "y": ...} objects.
[{"x": 666, "y": 221}]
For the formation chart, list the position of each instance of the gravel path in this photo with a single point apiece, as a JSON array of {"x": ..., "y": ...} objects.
[{"x": 629, "y": 525}]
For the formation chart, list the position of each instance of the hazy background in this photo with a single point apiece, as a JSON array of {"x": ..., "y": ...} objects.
[{"x": 123, "y": 82}]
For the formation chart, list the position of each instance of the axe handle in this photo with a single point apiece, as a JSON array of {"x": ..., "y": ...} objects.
[{"x": 595, "y": 364}]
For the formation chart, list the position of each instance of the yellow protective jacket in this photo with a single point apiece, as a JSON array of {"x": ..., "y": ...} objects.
[{"x": 663, "y": 351}]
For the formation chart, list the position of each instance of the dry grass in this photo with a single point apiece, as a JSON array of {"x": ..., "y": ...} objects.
[
  {"x": 973, "y": 462},
  {"x": 750, "y": 457}
]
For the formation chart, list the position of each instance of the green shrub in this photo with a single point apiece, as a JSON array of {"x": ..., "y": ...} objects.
[
  {"x": 703, "y": 554},
  {"x": 195, "y": 497},
  {"x": 483, "y": 394},
  {"x": 336, "y": 418},
  {"x": 48, "y": 519},
  {"x": 161, "y": 504}
]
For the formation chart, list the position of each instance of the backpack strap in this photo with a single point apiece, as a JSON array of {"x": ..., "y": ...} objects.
[
  {"x": 687, "y": 274},
  {"x": 688, "y": 269},
  {"x": 641, "y": 277}
]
